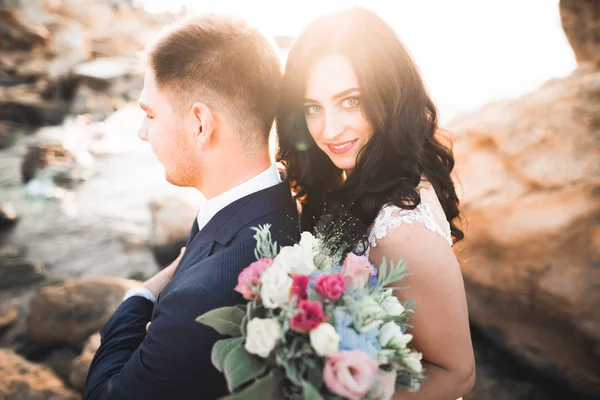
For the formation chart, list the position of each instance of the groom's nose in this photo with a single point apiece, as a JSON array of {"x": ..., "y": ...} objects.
[{"x": 143, "y": 133}]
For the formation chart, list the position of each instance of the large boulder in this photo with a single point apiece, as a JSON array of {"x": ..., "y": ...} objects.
[
  {"x": 172, "y": 219},
  {"x": 581, "y": 22},
  {"x": 24, "y": 380},
  {"x": 529, "y": 172},
  {"x": 81, "y": 364},
  {"x": 71, "y": 311}
]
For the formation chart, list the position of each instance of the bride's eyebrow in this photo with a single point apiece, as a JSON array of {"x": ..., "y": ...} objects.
[{"x": 337, "y": 96}]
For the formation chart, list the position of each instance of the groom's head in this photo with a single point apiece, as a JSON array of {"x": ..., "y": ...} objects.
[{"x": 211, "y": 90}]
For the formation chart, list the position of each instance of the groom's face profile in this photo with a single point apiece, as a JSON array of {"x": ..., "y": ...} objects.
[{"x": 164, "y": 128}]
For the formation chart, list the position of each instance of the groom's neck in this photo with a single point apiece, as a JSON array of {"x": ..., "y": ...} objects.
[{"x": 233, "y": 171}]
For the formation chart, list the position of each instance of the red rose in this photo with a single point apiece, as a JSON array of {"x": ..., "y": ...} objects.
[
  {"x": 309, "y": 316},
  {"x": 299, "y": 285},
  {"x": 330, "y": 286}
]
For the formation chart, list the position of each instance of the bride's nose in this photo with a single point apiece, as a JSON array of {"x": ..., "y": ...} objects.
[{"x": 334, "y": 125}]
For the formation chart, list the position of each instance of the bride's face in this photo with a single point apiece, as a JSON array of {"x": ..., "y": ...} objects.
[{"x": 333, "y": 110}]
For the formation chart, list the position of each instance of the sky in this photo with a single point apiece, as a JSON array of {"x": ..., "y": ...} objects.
[{"x": 470, "y": 52}]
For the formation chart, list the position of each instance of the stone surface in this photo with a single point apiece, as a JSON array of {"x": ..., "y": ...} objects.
[
  {"x": 24, "y": 380},
  {"x": 15, "y": 269},
  {"x": 172, "y": 219},
  {"x": 528, "y": 170},
  {"x": 17, "y": 34},
  {"x": 81, "y": 364},
  {"x": 581, "y": 22},
  {"x": 70, "y": 312},
  {"x": 8, "y": 315},
  {"x": 8, "y": 215}
]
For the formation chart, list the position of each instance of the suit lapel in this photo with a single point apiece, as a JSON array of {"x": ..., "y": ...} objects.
[{"x": 223, "y": 227}]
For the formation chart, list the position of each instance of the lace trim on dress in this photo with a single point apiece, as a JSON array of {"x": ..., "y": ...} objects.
[{"x": 392, "y": 216}]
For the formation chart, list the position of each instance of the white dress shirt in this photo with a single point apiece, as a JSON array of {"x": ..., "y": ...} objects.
[{"x": 210, "y": 207}]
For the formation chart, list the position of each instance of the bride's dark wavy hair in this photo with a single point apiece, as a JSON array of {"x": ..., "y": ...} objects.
[{"x": 405, "y": 146}]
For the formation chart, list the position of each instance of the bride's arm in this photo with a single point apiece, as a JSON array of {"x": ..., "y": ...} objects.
[{"x": 441, "y": 331}]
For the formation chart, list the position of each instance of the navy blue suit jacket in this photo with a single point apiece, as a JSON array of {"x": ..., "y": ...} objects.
[{"x": 172, "y": 361}]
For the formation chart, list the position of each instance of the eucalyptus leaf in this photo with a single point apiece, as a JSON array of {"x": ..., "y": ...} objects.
[
  {"x": 221, "y": 350},
  {"x": 225, "y": 320},
  {"x": 241, "y": 367}
]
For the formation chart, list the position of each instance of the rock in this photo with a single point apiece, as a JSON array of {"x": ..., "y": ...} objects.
[
  {"x": 105, "y": 85},
  {"x": 15, "y": 270},
  {"x": 529, "y": 173},
  {"x": 24, "y": 380},
  {"x": 34, "y": 104},
  {"x": 60, "y": 361},
  {"x": 71, "y": 46},
  {"x": 40, "y": 156},
  {"x": 581, "y": 22},
  {"x": 19, "y": 35},
  {"x": 8, "y": 134},
  {"x": 172, "y": 219},
  {"x": 81, "y": 364},
  {"x": 70, "y": 312},
  {"x": 8, "y": 216},
  {"x": 8, "y": 315}
]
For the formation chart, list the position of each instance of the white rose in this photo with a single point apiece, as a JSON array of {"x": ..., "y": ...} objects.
[
  {"x": 295, "y": 260},
  {"x": 413, "y": 360},
  {"x": 263, "y": 335},
  {"x": 391, "y": 335},
  {"x": 324, "y": 339},
  {"x": 392, "y": 306},
  {"x": 275, "y": 286},
  {"x": 308, "y": 243}
]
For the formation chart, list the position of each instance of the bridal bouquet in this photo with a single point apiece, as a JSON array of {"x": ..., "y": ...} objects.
[{"x": 318, "y": 325}]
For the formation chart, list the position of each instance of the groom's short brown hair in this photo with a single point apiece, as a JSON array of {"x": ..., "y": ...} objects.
[{"x": 222, "y": 62}]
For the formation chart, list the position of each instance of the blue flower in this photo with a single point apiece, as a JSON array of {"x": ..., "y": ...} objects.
[
  {"x": 342, "y": 318},
  {"x": 336, "y": 269},
  {"x": 348, "y": 338},
  {"x": 373, "y": 280}
]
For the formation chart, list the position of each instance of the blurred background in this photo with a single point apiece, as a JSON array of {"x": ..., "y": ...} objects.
[{"x": 85, "y": 211}]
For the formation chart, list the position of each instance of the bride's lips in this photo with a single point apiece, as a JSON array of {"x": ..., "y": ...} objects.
[{"x": 341, "y": 148}]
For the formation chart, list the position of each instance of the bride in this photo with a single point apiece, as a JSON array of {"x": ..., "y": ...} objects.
[{"x": 358, "y": 129}]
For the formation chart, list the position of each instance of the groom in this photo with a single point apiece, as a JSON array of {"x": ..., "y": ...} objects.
[{"x": 210, "y": 95}]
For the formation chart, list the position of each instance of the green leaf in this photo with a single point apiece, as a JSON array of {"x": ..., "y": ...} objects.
[
  {"x": 292, "y": 373},
  {"x": 241, "y": 367},
  {"x": 267, "y": 387},
  {"x": 242, "y": 307},
  {"x": 225, "y": 320},
  {"x": 309, "y": 392},
  {"x": 221, "y": 350}
]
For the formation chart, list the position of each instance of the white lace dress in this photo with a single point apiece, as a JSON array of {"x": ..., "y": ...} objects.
[{"x": 429, "y": 213}]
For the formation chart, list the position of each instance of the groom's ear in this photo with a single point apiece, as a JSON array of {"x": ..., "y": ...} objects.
[{"x": 203, "y": 122}]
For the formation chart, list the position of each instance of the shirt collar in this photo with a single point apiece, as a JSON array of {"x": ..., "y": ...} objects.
[{"x": 209, "y": 208}]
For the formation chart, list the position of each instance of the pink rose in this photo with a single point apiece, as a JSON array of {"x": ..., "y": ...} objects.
[
  {"x": 350, "y": 374},
  {"x": 249, "y": 278},
  {"x": 299, "y": 285},
  {"x": 357, "y": 270},
  {"x": 330, "y": 286},
  {"x": 309, "y": 317}
]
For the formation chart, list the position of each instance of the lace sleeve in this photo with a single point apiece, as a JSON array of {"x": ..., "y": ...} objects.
[{"x": 392, "y": 217}]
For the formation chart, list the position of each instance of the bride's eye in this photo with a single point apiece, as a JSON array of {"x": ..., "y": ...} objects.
[
  {"x": 312, "y": 109},
  {"x": 350, "y": 102}
]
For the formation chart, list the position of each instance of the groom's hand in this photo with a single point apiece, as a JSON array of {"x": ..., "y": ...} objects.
[{"x": 160, "y": 280}]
